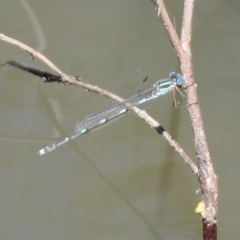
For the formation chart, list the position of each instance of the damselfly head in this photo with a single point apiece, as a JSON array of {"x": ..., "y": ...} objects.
[{"x": 177, "y": 77}]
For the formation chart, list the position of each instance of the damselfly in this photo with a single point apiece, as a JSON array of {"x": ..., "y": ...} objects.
[{"x": 102, "y": 118}]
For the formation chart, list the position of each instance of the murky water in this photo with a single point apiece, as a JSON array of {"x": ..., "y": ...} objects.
[{"x": 123, "y": 181}]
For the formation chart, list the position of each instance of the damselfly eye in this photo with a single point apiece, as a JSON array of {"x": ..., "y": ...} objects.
[
  {"x": 172, "y": 74},
  {"x": 179, "y": 81}
]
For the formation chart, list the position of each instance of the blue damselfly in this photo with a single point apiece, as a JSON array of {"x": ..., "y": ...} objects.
[{"x": 102, "y": 118}]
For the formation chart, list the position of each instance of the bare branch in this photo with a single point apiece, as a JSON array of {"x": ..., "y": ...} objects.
[
  {"x": 187, "y": 26},
  {"x": 30, "y": 50},
  {"x": 171, "y": 32},
  {"x": 207, "y": 176}
]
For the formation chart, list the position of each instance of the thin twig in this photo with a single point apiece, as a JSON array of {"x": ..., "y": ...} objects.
[
  {"x": 171, "y": 32},
  {"x": 30, "y": 50}
]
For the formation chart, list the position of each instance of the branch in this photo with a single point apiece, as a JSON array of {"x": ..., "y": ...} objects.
[
  {"x": 207, "y": 176},
  {"x": 31, "y": 51}
]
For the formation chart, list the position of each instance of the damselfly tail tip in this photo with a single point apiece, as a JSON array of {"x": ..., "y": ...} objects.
[
  {"x": 41, "y": 152},
  {"x": 46, "y": 149},
  {"x": 52, "y": 146}
]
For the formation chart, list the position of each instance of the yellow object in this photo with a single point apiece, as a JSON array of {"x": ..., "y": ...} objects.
[{"x": 200, "y": 207}]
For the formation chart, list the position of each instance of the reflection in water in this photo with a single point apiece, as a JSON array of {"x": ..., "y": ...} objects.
[{"x": 37, "y": 28}]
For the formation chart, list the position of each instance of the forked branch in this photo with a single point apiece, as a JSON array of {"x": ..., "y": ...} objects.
[{"x": 207, "y": 177}]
